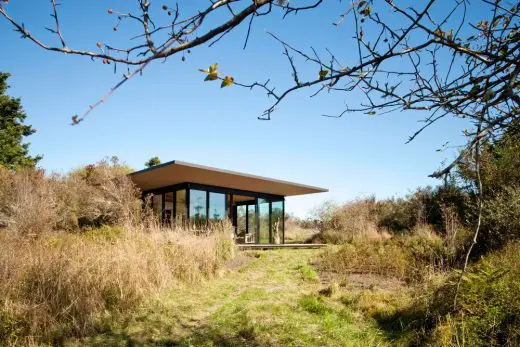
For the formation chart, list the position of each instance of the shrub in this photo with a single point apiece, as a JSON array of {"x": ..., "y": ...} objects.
[
  {"x": 354, "y": 220},
  {"x": 487, "y": 312},
  {"x": 501, "y": 218},
  {"x": 488, "y": 309},
  {"x": 407, "y": 257},
  {"x": 31, "y": 202},
  {"x": 499, "y": 163}
]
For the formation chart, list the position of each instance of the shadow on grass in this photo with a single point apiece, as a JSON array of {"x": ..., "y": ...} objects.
[
  {"x": 162, "y": 334},
  {"x": 204, "y": 336}
]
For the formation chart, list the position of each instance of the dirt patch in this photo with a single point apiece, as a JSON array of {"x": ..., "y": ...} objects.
[
  {"x": 239, "y": 261},
  {"x": 362, "y": 281}
]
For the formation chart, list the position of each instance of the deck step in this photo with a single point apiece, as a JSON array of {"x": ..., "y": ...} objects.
[{"x": 244, "y": 246}]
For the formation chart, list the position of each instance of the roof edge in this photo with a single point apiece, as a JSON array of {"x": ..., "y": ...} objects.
[
  {"x": 203, "y": 167},
  {"x": 171, "y": 162}
]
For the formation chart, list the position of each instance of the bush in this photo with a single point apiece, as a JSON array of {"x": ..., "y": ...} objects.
[
  {"x": 31, "y": 202},
  {"x": 354, "y": 220},
  {"x": 499, "y": 163},
  {"x": 409, "y": 258},
  {"x": 487, "y": 311},
  {"x": 501, "y": 218}
]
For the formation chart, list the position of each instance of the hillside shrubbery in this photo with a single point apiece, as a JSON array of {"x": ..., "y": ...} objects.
[
  {"x": 423, "y": 239},
  {"x": 31, "y": 202},
  {"x": 78, "y": 248}
]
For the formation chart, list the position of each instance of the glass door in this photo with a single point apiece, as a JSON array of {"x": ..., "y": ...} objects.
[{"x": 264, "y": 221}]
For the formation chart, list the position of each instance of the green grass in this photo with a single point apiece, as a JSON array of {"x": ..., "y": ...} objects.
[
  {"x": 307, "y": 273},
  {"x": 273, "y": 300}
]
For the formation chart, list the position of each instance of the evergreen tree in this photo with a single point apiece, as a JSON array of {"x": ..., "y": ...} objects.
[
  {"x": 13, "y": 153},
  {"x": 153, "y": 161}
]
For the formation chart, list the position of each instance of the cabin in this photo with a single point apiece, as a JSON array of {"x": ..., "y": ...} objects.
[{"x": 197, "y": 196}]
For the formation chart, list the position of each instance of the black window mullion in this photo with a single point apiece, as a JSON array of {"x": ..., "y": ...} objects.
[
  {"x": 187, "y": 192},
  {"x": 283, "y": 221},
  {"x": 207, "y": 207},
  {"x": 163, "y": 207},
  {"x": 270, "y": 223}
]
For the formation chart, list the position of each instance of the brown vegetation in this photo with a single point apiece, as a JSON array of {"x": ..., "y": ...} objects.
[
  {"x": 77, "y": 248},
  {"x": 31, "y": 202}
]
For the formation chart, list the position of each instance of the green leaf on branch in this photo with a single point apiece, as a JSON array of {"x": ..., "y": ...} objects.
[
  {"x": 439, "y": 32},
  {"x": 212, "y": 72},
  {"x": 361, "y": 4},
  {"x": 227, "y": 81},
  {"x": 323, "y": 74},
  {"x": 211, "y": 76},
  {"x": 366, "y": 11}
]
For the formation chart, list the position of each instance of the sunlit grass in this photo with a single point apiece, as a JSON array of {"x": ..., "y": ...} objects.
[{"x": 266, "y": 302}]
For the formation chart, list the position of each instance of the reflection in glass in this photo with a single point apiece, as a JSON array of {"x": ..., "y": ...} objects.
[
  {"x": 217, "y": 206},
  {"x": 180, "y": 206},
  {"x": 251, "y": 222},
  {"x": 263, "y": 216},
  {"x": 241, "y": 223},
  {"x": 277, "y": 227},
  {"x": 157, "y": 206},
  {"x": 198, "y": 207},
  {"x": 168, "y": 209}
]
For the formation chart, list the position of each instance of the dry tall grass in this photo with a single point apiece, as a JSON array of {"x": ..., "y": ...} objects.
[
  {"x": 31, "y": 202},
  {"x": 56, "y": 285},
  {"x": 355, "y": 220}
]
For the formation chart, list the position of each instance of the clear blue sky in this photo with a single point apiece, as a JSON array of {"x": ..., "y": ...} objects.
[{"x": 170, "y": 112}]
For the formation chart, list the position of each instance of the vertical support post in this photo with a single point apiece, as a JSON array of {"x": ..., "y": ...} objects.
[
  {"x": 187, "y": 190},
  {"x": 230, "y": 202},
  {"x": 257, "y": 222},
  {"x": 174, "y": 208},
  {"x": 247, "y": 218},
  {"x": 207, "y": 208},
  {"x": 270, "y": 223},
  {"x": 163, "y": 207},
  {"x": 283, "y": 221}
]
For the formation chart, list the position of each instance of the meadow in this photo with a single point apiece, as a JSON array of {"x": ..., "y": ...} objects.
[{"x": 82, "y": 262}]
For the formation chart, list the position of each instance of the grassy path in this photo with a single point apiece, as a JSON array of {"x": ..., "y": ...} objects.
[{"x": 271, "y": 301}]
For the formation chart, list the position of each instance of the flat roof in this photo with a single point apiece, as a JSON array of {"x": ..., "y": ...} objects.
[{"x": 174, "y": 172}]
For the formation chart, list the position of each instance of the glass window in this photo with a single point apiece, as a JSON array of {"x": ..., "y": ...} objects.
[
  {"x": 168, "y": 209},
  {"x": 277, "y": 221},
  {"x": 241, "y": 222},
  {"x": 180, "y": 206},
  {"x": 217, "y": 206},
  {"x": 263, "y": 216},
  {"x": 157, "y": 206},
  {"x": 198, "y": 207},
  {"x": 251, "y": 221}
]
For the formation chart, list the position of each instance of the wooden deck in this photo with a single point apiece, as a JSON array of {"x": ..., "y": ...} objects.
[{"x": 245, "y": 246}]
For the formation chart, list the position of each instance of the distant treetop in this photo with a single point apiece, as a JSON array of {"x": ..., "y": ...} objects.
[
  {"x": 153, "y": 161},
  {"x": 13, "y": 153}
]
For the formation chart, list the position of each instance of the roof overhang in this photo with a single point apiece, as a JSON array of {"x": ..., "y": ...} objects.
[{"x": 175, "y": 172}]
